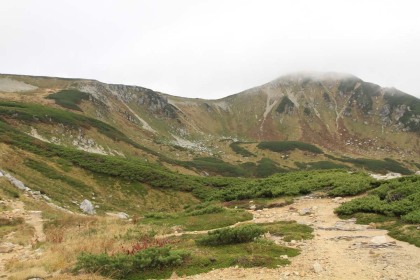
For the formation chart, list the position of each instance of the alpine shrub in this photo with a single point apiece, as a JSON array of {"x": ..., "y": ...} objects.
[
  {"x": 225, "y": 236},
  {"x": 122, "y": 265}
]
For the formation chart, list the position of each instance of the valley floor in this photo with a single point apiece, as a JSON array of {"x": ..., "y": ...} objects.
[{"x": 340, "y": 249}]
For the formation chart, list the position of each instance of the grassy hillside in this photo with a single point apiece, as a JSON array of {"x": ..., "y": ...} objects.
[
  {"x": 58, "y": 164},
  {"x": 394, "y": 205},
  {"x": 176, "y": 165},
  {"x": 161, "y": 201}
]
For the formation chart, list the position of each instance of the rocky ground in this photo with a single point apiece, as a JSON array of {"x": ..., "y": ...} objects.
[{"x": 340, "y": 249}]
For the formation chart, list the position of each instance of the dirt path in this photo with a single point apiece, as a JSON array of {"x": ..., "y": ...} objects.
[
  {"x": 10, "y": 250},
  {"x": 340, "y": 249}
]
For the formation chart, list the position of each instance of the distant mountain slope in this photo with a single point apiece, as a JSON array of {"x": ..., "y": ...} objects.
[{"x": 342, "y": 115}]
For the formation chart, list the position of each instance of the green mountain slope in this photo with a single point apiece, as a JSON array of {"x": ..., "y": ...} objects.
[{"x": 339, "y": 114}]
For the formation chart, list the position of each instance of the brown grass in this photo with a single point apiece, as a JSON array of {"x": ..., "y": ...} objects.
[{"x": 70, "y": 235}]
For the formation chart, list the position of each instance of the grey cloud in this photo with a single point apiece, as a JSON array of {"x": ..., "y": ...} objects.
[{"x": 211, "y": 49}]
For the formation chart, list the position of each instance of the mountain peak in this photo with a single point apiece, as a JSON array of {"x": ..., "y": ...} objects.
[{"x": 316, "y": 76}]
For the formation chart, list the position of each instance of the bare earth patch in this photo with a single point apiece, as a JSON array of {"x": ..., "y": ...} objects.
[{"x": 10, "y": 85}]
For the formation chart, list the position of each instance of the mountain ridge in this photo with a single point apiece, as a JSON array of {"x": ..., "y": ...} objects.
[{"x": 303, "y": 74}]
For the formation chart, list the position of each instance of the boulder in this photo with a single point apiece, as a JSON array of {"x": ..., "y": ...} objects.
[{"x": 87, "y": 207}]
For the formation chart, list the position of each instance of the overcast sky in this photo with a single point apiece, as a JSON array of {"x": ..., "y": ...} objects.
[{"x": 211, "y": 49}]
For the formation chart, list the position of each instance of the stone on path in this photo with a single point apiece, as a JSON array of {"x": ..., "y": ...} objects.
[
  {"x": 378, "y": 240},
  {"x": 317, "y": 267},
  {"x": 305, "y": 211}
]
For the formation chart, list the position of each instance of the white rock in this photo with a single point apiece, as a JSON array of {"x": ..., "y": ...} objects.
[
  {"x": 388, "y": 176},
  {"x": 15, "y": 182},
  {"x": 378, "y": 240},
  {"x": 122, "y": 215},
  {"x": 87, "y": 207}
]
